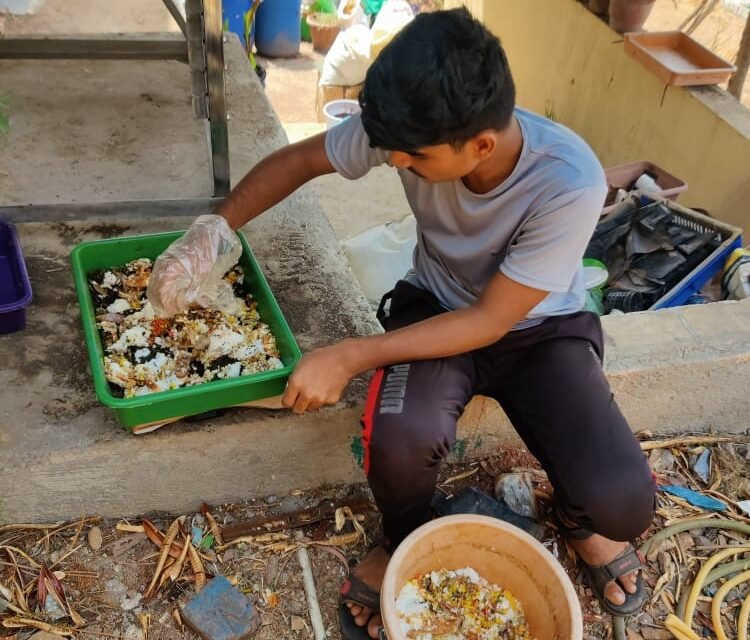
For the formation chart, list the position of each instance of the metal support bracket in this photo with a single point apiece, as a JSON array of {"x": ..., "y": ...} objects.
[{"x": 206, "y": 59}]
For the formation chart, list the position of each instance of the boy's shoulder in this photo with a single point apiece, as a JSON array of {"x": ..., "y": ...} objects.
[{"x": 559, "y": 153}]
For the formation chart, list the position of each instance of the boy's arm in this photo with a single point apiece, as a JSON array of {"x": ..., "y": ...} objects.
[
  {"x": 274, "y": 178},
  {"x": 210, "y": 246},
  {"x": 322, "y": 375}
]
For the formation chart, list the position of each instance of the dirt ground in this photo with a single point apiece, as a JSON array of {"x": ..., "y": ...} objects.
[{"x": 104, "y": 570}]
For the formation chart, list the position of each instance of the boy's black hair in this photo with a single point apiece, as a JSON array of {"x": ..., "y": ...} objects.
[{"x": 442, "y": 79}]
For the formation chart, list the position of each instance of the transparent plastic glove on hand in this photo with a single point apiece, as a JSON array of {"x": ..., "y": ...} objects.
[{"x": 191, "y": 270}]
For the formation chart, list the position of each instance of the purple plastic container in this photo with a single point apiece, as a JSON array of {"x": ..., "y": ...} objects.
[{"x": 15, "y": 287}]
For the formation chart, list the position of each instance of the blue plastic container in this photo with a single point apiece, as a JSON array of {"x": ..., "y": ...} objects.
[
  {"x": 234, "y": 17},
  {"x": 15, "y": 287},
  {"x": 277, "y": 28}
]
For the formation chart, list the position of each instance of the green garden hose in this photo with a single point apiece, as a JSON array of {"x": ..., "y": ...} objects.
[{"x": 618, "y": 622}]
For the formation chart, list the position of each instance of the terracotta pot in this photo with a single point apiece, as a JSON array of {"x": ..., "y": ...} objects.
[
  {"x": 322, "y": 33},
  {"x": 629, "y": 15},
  {"x": 599, "y": 7},
  {"x": 501, "y": 553}
]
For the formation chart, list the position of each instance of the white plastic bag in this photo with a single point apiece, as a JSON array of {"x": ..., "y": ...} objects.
[
  {"x": 350, "y": 12},
  {"x": 381, "y": 255},
  {"x": 348, "y": 59},
  {"x": 394, "y": 16}
]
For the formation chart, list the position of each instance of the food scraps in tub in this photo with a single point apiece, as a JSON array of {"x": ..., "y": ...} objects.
[{"x": 459, "y": 605}]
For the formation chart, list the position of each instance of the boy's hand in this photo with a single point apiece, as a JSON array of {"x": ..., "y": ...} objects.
[
  {"x": 319, "y": 379},
  {"x": 191, "y": 269}
]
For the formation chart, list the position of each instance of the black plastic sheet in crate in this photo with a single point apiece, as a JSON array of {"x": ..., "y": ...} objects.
[{"x": 649, "y": 249}]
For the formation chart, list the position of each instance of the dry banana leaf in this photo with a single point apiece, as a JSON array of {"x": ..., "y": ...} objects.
[
  {"x": 19, "y": 622},
  {"x": 145, "y": 621},
  {"x": 169, "y": 538},
  {"x": 175, "y": 569},
  {"x": 212, "y": 524},
  {"x": 157, "y": 537},
  {"x": 197, "y": 567},
  {"x": 49, "y": 585},
  {"x": 131, "y": 528}
]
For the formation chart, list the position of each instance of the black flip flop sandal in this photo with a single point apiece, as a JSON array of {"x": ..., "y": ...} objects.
[
  {"x": 356, "y": 591},
  {"x": 627, "y": 562},
  {"x": 351, "y": 630}
]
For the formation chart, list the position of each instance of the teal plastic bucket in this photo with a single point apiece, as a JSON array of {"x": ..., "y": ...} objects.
[{"x": 277, "y": 28}]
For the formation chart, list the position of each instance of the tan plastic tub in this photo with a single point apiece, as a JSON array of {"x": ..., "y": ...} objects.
[{"x": 499, "y": 552}]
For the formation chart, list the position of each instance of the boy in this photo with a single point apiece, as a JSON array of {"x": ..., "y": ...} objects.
[{"x": 505, "y": 203}]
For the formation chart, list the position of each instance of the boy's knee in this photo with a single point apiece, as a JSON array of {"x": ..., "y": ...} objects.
[
  {"x": 621, "y": 508},
  {"x": 402, "y": 445}
]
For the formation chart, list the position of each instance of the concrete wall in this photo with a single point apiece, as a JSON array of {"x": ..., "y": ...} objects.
[{"x": 569, "y": 64}]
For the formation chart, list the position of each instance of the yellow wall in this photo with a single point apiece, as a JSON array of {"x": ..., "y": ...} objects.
[{"x": 567, "y": 62}]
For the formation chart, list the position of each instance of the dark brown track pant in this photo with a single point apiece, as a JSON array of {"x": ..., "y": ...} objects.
[{"x": 549, "y": 381}]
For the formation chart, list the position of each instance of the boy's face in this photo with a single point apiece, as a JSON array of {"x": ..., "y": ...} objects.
[{"x": 439, "y": 162}]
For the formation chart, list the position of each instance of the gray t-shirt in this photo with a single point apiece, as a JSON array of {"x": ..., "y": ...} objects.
[{"x": 534, "y": 227}]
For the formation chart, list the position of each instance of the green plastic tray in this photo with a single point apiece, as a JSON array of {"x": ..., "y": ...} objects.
[{"x": 166, "y": 406}]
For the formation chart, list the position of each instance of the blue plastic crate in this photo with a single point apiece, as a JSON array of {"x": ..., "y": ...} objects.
[
  {"x": 693, "y": 282},
  {"x": 726, "y": 239}
]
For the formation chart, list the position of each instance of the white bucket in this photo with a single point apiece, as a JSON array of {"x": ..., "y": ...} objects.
[{"x": 337, "y": 111}]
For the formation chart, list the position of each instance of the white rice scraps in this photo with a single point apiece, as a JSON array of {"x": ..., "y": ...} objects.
[
  {"x": 459, "y": 605},
  {"x": 145, "y": 354}
]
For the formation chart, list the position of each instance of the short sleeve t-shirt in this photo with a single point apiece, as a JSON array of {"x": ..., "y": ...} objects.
[{"x": 533, "y": 227}]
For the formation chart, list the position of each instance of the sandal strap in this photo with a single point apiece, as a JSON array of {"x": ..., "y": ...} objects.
[
  {"x": 356, "y": 591},
  {"x": 628, "y": 561}
]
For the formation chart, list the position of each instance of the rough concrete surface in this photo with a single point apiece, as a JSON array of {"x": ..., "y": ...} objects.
[
  {"x": 61, "y": 453},
  {"x": 86, "y": 16}
]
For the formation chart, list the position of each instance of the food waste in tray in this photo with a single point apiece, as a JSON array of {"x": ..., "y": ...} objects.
[
  {"x": 459, "y": 605},
  {"x": 145, "y": 354}
]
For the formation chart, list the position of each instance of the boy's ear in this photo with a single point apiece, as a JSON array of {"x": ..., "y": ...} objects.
[{"x": 484, "y": 144}]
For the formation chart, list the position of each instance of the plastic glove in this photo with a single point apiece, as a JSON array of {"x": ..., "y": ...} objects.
[{"x": 190, "y": 272}]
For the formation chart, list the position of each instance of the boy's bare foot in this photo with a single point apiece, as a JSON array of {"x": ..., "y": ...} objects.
[{"x": 370, "y": 571}]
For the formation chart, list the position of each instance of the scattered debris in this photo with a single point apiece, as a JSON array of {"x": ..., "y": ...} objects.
[
  {"x": 662, "y": 461},
  {"x": 702, "y": 466},
  {"x": 695, "y": 498},
  {"x": 106, "y": 587},
  {"x": 303, "y": 517},
  {"x": 312, "y": 595},
  {"x": 95, "y": 538},
  {"x": 517, "y": 491},
  {"x": 221, "y": 612},
  {"x": 690, "y": 441}
]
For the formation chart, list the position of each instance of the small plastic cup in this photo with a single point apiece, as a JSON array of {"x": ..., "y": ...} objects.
[{"x": 337, "y": 111}]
